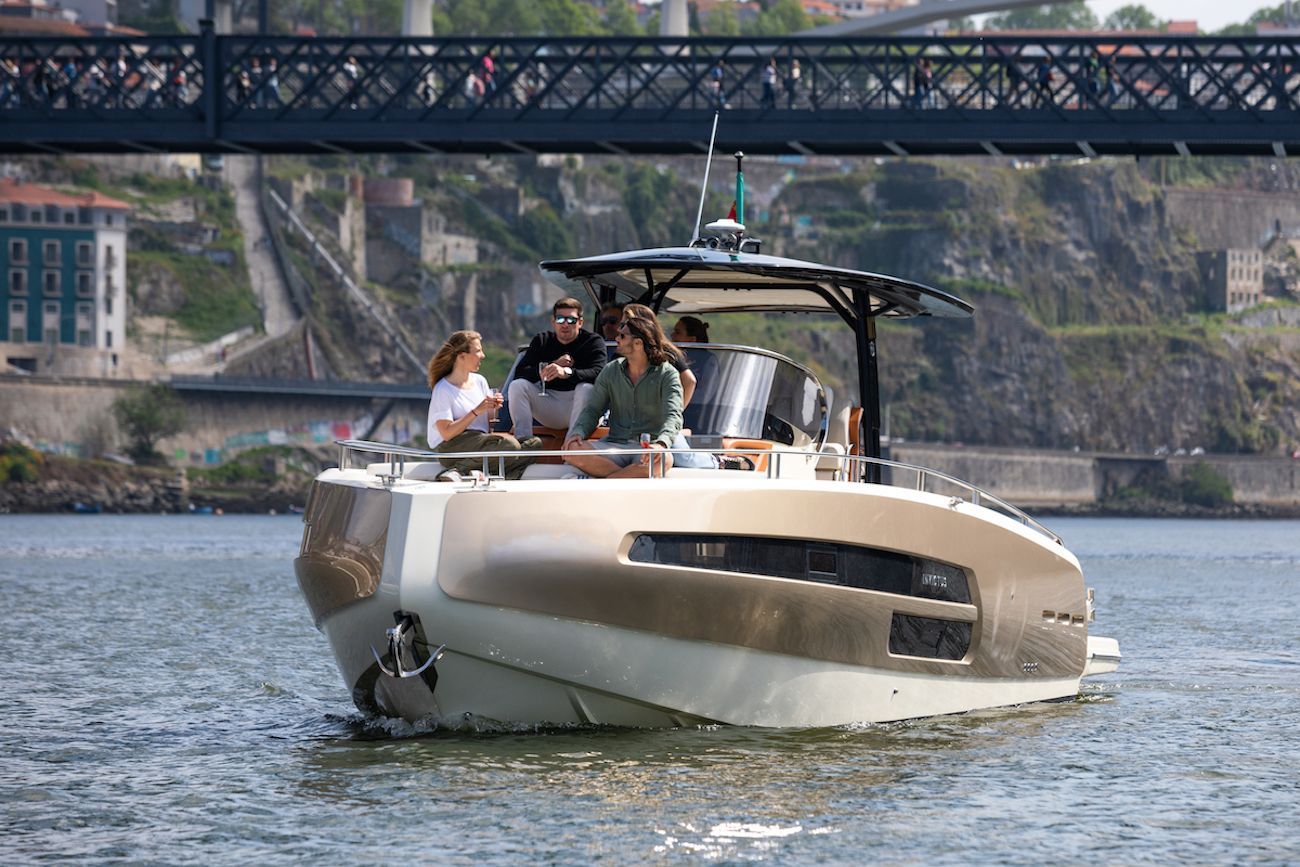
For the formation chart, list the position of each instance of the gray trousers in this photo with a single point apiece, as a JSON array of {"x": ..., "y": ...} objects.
[{"x": 555, "y": 409}]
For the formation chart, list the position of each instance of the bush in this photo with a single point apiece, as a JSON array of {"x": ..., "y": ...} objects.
[
  {"x": 543, "y": 230},
  {"x": 19, "y": 463},
  {"x": 1202, "y": 486},
  {"x": 147, "y": 415}
]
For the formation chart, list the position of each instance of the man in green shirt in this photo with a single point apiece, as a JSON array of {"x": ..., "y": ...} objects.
[{"x": 643, "y": 394}]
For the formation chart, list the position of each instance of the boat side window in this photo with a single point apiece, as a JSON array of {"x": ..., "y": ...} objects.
[
  {"x": 929, "y": 637},
  {"x": 823, "y": 562}
]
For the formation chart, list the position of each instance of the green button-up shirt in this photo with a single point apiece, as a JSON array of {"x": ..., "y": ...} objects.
[{"x": 653, "y": 405}]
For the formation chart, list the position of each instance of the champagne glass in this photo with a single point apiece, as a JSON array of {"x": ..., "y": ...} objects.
[
  {"x": 650, "y": 459},
  {"x": 541, "y": 378},
  {"x": 496, "y": 396}
]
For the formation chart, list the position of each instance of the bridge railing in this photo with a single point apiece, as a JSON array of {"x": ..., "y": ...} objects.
[{"x": 226, "y": 81}]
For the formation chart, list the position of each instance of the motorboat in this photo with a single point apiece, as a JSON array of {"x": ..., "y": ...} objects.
[{"x": 814, "y": 583}]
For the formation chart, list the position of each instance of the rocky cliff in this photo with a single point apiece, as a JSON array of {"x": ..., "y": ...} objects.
[{"x": 1091, "y": 327}]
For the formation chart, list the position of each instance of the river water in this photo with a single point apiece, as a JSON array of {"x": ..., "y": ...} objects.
[{"x": 167, "y": 700}]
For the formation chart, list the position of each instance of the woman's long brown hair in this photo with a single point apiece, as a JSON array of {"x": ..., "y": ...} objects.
[{"x": 445, "y": 358}]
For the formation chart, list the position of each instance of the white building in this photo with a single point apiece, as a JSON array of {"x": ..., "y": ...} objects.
[{"x": 864, "y": 8}]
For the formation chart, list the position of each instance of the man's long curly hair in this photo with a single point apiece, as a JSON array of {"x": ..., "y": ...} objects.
[{"x": 645, "y": 315}]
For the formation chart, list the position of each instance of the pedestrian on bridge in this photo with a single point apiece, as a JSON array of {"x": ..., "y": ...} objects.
[
  {"x": 488, "y": 73},
  {"x": 271, "y": 89},
  {"x": 716, "y": 82},
  {"x": 792, "y": 76},
  {"x": 1043, "y": 78},
  {"x": 769, "y": 83},
  {"x": 352, "y": 74},
  {"x": 923, "y": 84},
  {"x": 10, "y": 75},
  {"x": 255, "y": 79}
]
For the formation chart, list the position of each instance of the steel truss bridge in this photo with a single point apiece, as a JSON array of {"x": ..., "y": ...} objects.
[{"x": 854, "y": 95}]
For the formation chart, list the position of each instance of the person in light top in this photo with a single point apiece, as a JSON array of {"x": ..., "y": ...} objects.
[{"x": 460, "y": 406}]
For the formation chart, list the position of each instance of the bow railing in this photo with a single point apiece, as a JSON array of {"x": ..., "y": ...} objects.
[{"x": 845, "y": 467}]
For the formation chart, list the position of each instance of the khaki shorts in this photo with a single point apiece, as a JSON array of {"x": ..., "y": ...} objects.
[{"x": 632, "y": 452}]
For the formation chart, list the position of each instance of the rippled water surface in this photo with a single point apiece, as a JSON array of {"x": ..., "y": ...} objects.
[{"x": 167, "y": 700}]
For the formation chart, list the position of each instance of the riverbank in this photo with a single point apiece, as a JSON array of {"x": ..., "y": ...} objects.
[
  {"x": 1153, "y": 508},
  {"x": 62, "y": 484}
]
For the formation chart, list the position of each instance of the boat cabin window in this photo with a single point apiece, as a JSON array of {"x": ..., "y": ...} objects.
[
  {"x": 824, "y": 562},
  {"x": 744, "y": 393}
]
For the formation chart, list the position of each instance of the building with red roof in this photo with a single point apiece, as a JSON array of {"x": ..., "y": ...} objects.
[{"x": 62, "y": 278}]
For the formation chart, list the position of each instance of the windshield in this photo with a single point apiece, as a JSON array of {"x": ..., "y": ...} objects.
[{"x": 744, "y": 393}]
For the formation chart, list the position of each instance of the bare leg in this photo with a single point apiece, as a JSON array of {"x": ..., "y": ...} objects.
[
  {"x": 593, "y": 465},
  {"x": 663, "y": 462}
]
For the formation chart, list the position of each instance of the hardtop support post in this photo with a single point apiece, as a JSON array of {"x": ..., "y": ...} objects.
[{"x": 864, "y": 329}]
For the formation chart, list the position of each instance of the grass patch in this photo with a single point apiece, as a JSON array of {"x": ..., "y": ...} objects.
[{"x": 218, "y": 299}]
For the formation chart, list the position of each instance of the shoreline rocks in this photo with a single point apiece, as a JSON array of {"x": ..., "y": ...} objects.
[{"x": 70, "y": 485}]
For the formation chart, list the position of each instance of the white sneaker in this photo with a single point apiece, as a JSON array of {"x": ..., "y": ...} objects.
[{"x": 449, "y": 476}]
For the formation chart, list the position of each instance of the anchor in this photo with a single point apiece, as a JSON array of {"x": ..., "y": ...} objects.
[{"x": 396, "y": 635}]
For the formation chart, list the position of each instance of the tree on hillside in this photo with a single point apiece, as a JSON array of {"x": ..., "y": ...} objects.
[
  {"x": 332, "y": 17},
  {"x": 147, "y": 415},
  {"x": 1063, "y": 16},
  {"x": 151, "y": 16},
  {"x": 779, "y": 18},
  {"x": 620, "y": 19},
  {"x": 515, "y": 18},
  {"x": 1268, "y": 15},
  {"x": 720, "y": 21},
  {"x": 1135, "y": 16}
]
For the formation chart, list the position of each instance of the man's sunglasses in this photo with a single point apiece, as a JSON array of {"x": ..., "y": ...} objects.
[{"x": 567, "y": 320}]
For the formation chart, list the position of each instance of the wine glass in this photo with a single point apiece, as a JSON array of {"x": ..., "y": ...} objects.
[
  {"x": 493, "y": 414},
  {"x": 541, "y": 378}
]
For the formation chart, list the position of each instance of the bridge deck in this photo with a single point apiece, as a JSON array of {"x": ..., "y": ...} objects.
[{"x": 864, "y": 95}]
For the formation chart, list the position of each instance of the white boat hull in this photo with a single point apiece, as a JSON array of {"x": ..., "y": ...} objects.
[{"x": 544, "y": 625}]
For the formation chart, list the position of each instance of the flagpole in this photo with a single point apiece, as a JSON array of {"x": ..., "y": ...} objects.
[{"x": 740, "y": 188}]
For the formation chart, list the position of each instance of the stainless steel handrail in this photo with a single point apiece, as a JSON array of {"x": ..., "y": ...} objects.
[{"x": 395, "y": 455}]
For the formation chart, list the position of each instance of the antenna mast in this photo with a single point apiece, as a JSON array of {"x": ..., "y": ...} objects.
[{"x": 704, "y": 188}]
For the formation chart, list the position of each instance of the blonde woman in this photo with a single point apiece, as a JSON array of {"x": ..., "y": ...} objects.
[{"x": 460, "y": 405}]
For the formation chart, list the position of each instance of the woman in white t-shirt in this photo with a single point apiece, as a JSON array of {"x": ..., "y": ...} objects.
[{"x": 460, "y": 405}]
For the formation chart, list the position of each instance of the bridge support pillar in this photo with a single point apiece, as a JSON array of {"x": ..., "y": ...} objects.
[
  {"x": 221, "y": 13},
  {"x": 673, "y": 20},
  {"x": 417, "y": 17}
]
